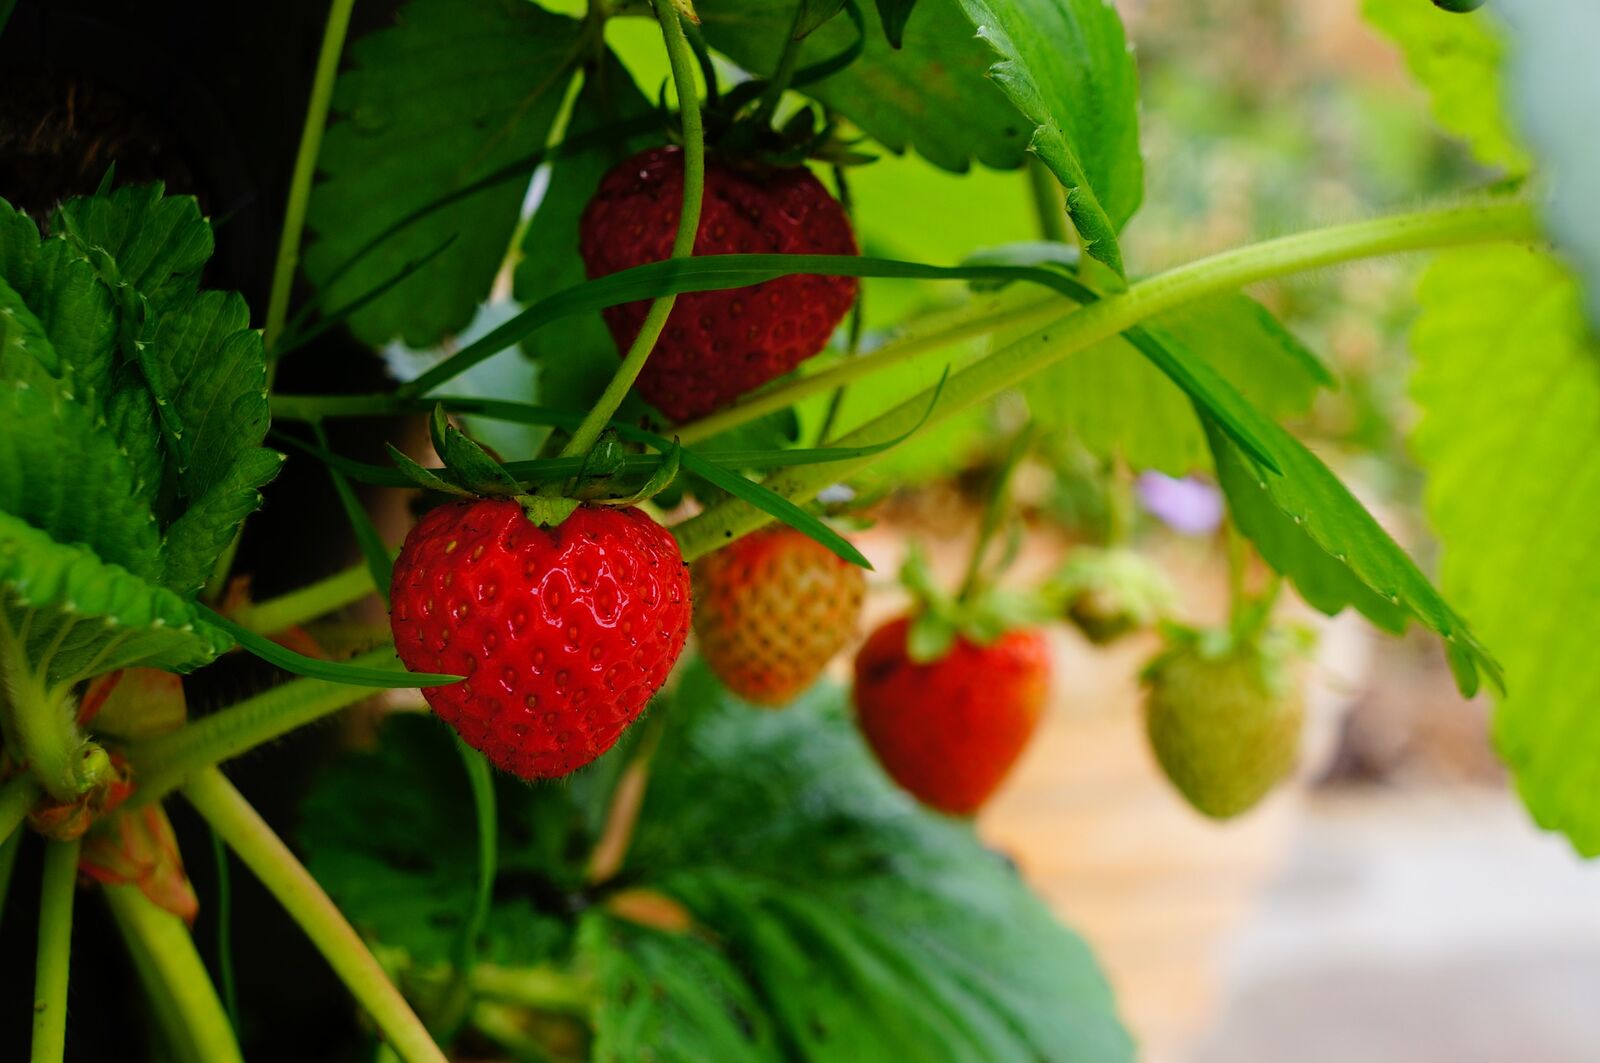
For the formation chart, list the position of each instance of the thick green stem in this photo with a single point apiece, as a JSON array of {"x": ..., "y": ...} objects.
[
  {"x": 694, "y": 176},
  {"x": 264, "y": 853},
  {"x": 309, "y": 602},
  {"x": 40, "y": 723},
  {"x": 175, "y": 976},
  {"x": 538, "y": 988},
  {"x": 1436, "y": 228},
  {"x": 8, "y": 863},
  {"x": 943, "y": 330},
  {"x": 305, "y": 169},
  {"x": 162, "y": 764},
  {"x": 55, "y": 951}
]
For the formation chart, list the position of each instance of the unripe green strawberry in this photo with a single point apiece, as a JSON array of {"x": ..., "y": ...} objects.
[
  {"x": 772, "y": 609},
  {"x": 1108, "y": 593},
  {"x": 1224, "y": 717}
]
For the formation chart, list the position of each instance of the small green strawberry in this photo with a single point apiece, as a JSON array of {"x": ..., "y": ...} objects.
[
  {"x": 1224, "y": 714},
  {"x": 1109, "y": 592}
]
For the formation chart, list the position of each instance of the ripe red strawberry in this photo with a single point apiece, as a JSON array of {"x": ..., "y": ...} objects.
[
  {"x": 949, "y": 731},
  {"x": 772, "y": 609},
  {"x": 563, "y": 633},
  {"x": 718, "y": 345}
]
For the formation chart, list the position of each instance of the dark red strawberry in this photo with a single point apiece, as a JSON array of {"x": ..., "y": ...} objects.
[
  {"x": 950, "y": 730},
  {"x": 719, "y": 345},
  {"x": 772, "y": 609},
  {"x": 563, "y": 633}
]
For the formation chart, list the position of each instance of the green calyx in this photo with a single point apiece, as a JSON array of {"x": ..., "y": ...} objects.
[
  {"x": 981, "y": 616},
  {"x": 1108, "y": 592}
]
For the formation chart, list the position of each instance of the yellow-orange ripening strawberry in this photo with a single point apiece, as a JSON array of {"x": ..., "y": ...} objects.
[{"x": 772, "y": 609}]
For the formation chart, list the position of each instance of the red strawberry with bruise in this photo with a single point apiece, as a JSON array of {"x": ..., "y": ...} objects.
[
  {"x": 563, "y": 633},
  {"x": 772, "y": 609},
  {"x": 718, "y": 345},
  {"x": 949, "y": 731}
]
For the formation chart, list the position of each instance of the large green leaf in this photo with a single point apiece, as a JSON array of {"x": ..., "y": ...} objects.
[
  {"x": 1120, "y": 405},
  {"x": 873, "y": 929},
  {"x": 455, "y": 90},
  {"x": 836, "y": 918},
  {"x": 673, "y": 998},
  {"x": 1458, "y": 59},
  {"x": 1066, "y": 66},
  {"x": 159, "y": 243},
  {"x": 1508, "y": 380},
  {"x": 932, "y": 95},
  {"x": 79, "y": 616},
  {"x": 1554, "y": 83}
]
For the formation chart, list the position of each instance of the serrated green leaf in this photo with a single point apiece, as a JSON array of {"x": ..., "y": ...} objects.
[
  {"x": 1511, "y": 446},
  {"x": 1121, "y": 406},
  {"x": 197, "y": 538},
  {"x": 1305, "y": 509},
  {"x": 933, "y": 95},
  {"x": 64, "y": 475},
  {"x": 76, "y": 310},
  {"x": 1458, "y": 59},
  {"x": 89, "y": 617},
  {"x": 159, "y": 243},
  {"x": 479, "y": 83},
  {"x": 1066, "y": 66},
  {"x": 675, "y": 998}
]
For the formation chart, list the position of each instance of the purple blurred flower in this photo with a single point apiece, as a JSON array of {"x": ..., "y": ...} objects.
[{"x": 1190, "y": 506}]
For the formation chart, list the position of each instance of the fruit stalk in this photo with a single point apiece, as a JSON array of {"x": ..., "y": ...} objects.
[
  {"x": 694, "y": 173},
  {"x": 334, "y": 592},
  {"x": 163, "y": 763},
  {"x": 55, "y": 951},
  {"x": 264, "y": 853},
  {"x": 1427, "y": 229},
  {"x": 174, "y": 976}
]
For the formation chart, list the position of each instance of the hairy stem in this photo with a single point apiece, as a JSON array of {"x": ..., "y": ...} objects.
[
  {"x": 173, "y": 973},
  {"x": 40, "y": 724},
  {"x": 943, "y": 330},
  {"x": 305, "y": 169},
  {"x": 55, "y": 951},
  {"x": 163, "y": 763},
  {"x": 694, "y": 177},
  {"x": 309, "y": 602},
  {"x": 1435, "y": 228},
  {"x": 264, "y": 853}
]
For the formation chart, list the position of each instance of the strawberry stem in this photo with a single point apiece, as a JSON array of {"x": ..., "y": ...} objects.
[
  {"x": 694, "y": 174},
  {"x": 16, "y": 797},
  {"x": 994, "y": 513},
  {"x": 264, "y": 853},
  {"x": 307, "y": 603},
  {"x": 1048, "y": 202},
  {"x": 767, "y": 105},
  {"x": 1438, "y": 227},
  {"x": 55, "y": 951},
  {"x": 174, "y": 976}
]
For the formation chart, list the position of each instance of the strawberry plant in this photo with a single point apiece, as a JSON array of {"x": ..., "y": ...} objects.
[{"x": 686, "y": 403}]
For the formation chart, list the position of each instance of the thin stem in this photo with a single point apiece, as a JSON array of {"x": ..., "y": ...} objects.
[
  {"x": 970, "y": 322},
  {"x": 536, "y": 988},
  {"x": 1048, "y": 204},
  {"x": 309, "y": 602},
  {"x": 224, "y": 907},
  {"x": 172, "y": 968},
  {"x": 1435, "y": 228},
  {"x": 8, "y": 864},
  {"x": 305, "y": 169},
  {"x": 16, "y": 797},
  {"x": 55, "y": 951},
  {"x": 694, "y": 175},
  {"x": 994, "y": 511},
  {"x": 163, "y": 763},
  {"x": 767, "y": 105},
  {"x": 457, "y": 999},
  {"x": 264, "y": 853}
]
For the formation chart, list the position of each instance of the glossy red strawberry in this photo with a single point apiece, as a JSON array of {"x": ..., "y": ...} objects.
[
  {"x": 718, "y": 345},
  {"x": 949, "y": 731},
  {"x": 772, "y": 609},
  {"x": 563, "y": 633}
]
